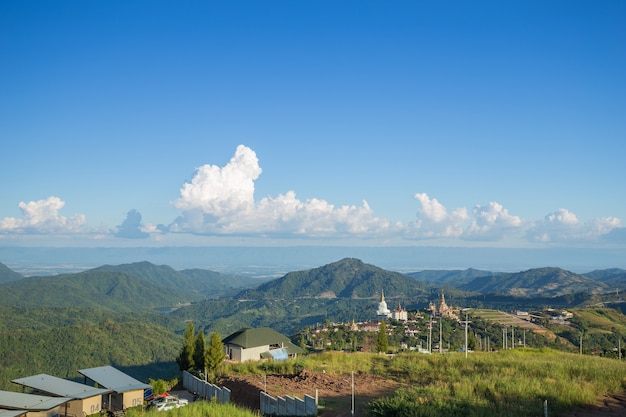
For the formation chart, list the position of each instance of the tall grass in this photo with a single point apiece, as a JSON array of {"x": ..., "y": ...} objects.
[
  {"x": 511, "y": 383},
  {"x": 196, "y": 409}
]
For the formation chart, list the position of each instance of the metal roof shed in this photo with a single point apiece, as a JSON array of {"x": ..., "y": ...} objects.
[
  {"x": 12, "y": 413},
  {"x": 29, "y": 402},
  {"x": 60, "y": 387},
  {"x": 85, "y": 399},
  {"x": 127, "y": 391},
  {"x": 113, "y": 379}
]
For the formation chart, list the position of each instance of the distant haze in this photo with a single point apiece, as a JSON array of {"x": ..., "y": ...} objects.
[{"x": 262, "y": 261}]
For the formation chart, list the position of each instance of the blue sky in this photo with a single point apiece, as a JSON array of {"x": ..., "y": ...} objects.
[{"x": 329, "y": 122}]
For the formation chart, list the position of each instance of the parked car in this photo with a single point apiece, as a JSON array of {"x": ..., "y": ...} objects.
[{"x": 168, "y": 402}]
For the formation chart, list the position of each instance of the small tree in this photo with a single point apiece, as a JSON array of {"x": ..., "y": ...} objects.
[
  {"x": 199, "y": 353},
  {"x": 185, "y": 357},
  {"x": 215, "y": 354},
  {"x": 382, "y": 344}
]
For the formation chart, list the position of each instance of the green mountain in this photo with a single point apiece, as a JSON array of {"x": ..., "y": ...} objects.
[
  {"x": 607, "y": 275},
  {"x": 7, "y": 274},
  {"x": 142, "y": 350},
  {"x": 202, "y": 283},
  {"x": 454, "y": 277},
  {"x": 347, "y": 278},
  {"x": 539, "y": 282},
  {"x": 116, "y": 291}
]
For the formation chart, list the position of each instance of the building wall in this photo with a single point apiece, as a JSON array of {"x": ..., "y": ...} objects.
[
  {"x": 85, "y": 406},
  {"x": 133, "y": 398},
  {"x": 237, "y": 353},
  {"x": 54, "y": 412},
  {"x": 254, "y": 353}
]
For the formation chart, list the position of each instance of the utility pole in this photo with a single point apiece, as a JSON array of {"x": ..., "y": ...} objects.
[
  {"x": 430, "y": 335},
  {"x": 352, "y": 393},
  {"x": 524, "y": 338},
  {"x": 581, "y": 343},
  {"x": 466, "y": 326},
  {"x": 440, "y": 338},
  {"x": 506, "y": 338},
  {"x": 512, "y": 337}
]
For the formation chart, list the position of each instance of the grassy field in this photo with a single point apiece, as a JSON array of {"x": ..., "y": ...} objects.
[
  {"x": 196, "y": 409},
  {"x": 510, "y": 383}
]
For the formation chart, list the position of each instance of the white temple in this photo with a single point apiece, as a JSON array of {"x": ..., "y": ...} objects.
[{"x": 383, "y": 311}]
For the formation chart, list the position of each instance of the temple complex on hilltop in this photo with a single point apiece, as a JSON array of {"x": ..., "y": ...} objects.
[
  {"x": 444, "y": 310},
  {"x": 383, "y": 311}
]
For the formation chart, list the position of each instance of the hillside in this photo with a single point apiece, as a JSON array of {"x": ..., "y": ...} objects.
[
  {"x": 97, "y": 289},
  {"x": 141, "y": 349},
  {"x": 347, "y": 278},
  {"x": 7, "y": 274},
  {"x": 203, "y": 283},
  {"x": 454, "y": 277},
  {"x": 606, "y": 274},
  {"x": 539, "y": 282}
]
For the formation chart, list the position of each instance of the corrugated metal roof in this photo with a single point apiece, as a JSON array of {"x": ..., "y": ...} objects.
[
  {"x": 20, "y": 401},
  {"x": 60, "y": 387},
  {"x": 12, "y": 413},
  {"x": 112, "y": 378}
]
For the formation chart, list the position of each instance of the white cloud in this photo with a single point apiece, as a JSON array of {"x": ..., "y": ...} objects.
[
  {"x": 222, "y": 191},
  {"x": 563, "y": 226},
  {"x": 42, "y": 217},
  {"x": 434, "y": 221},
  {"x": 492, "y": 222},
  {"x": 221, "y": 201}
]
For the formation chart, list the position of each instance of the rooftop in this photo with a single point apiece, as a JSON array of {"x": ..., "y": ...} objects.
[
  {"x": 60, "y": 387},
  {"x": 113, "y": 379}
]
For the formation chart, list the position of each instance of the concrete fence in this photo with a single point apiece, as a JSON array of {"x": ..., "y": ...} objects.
[
  {"x": 205, "y": 389},
  {"x": 288, "y": 406}
]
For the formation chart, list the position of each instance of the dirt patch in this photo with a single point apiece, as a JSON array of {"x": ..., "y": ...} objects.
[
  {"x": 609, "y": 406},
  {"x": 334, "y": 391}
]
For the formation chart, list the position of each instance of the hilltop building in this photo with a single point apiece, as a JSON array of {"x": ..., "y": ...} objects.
[
  {"x": 256, "y": 344},
  {"x": 400, "y": 314},
  {"x": 444, "y": 310},
  {"x": 383, "y": 311}
]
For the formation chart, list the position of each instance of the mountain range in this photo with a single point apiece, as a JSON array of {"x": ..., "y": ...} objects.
[
  {"x": 86, "y": 316},
  {"x": 139, "y": 285}
]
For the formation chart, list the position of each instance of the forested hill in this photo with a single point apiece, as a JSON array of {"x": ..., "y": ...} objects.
[
  {"x": 453, "y": 277},
  {"x": 204, "y": 283},
  {"x": 347, "y": 278},
  {"x": 116, "y": 291},
  {"x": 538, "y": 282},
  {"x": 7, "y": 274}
]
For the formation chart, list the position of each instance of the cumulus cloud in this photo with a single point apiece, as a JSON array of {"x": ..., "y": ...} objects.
[
  {"x": 220, "y": 200},
  {"x": 434, "y": 220},
  {"x": 42, "y": 217},
  {"x": 564, "y": 226},
  {"x": 131, "y": 227},
  {"x": 492, "y": 222}
]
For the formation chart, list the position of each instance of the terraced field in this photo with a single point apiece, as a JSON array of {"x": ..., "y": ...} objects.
[{"x": 507, "y": 319}]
